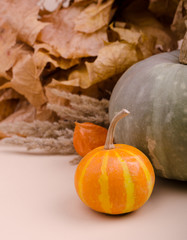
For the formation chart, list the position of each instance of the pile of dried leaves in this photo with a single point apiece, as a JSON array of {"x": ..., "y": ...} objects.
[{"x": 60, "y": 59}]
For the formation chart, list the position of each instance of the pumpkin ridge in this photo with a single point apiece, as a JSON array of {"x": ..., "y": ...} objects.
[
  {"x": 80, "y": 183},
  {"x": 104, "y": 197},
  {"x": 117, "y": 191},
  {"x": 145, "y": 170},
  {"x": 128, "y": 184}
]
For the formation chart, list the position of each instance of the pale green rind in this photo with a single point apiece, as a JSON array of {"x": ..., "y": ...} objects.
[{"x": 155, "y": 93}]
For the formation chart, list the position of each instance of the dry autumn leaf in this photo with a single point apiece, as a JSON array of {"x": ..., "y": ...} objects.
[
  {"x": 99, "y": 90},
  {"x": 8, "y": 50},
  {"x": 79, "y": 77},
  {"x": 25, "y": 21},
  {"x": 40, "y": 59},
  {"x": 127, "y": 32},
  {"x": 44, "y": 54},
  {"x": 7, "y": 107},
  {"x": 26, "y": 81},
  {"x": 60, "y": 86},
  {"x": 112, "y": 59},
  {"x": 3, "y": 81},
  {"x": 47, "y": 48},
  {"x": 6, "y": 85},
  {"x": 8, "y": 94},
  {"x": 60, "y": 33},
  {"x": 94, "y": 17},
  {"x": 85, "y": 2}
]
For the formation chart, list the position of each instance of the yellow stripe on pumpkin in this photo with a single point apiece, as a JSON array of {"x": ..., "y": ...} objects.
[
  {"x": 80, "y": 183},
  {"x": 144, "y": 168},
  {"x": 104, "y": 197},
  {"x": 128, "y": 185}
]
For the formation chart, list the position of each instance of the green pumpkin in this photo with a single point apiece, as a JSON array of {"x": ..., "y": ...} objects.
[{"x": 155, "y": 92}]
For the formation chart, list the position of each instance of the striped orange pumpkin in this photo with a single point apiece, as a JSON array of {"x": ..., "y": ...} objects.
[{"x": 114, "y": 179}]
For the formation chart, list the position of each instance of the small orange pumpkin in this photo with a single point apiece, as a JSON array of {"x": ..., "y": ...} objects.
[{"x": 114, "y": 179}]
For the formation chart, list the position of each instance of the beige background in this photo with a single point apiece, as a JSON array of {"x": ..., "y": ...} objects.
[{"x": 38, "y": 202}]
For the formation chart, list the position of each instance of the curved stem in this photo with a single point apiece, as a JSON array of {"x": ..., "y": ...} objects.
[{"x": 110, "y": 135}]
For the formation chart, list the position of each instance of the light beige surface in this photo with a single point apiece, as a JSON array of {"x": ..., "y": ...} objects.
[{"x": 38, "y": 202}]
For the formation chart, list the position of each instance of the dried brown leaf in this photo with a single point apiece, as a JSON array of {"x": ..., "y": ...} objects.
[
  {"x": 60, "y": 34},
  {"x": 26, "y": 81},
  {"x": 78, "y": 1},
  {"x": 8, "y": 94},
  {"x": 8, "y": 51},
  {"x": 94, "y": 17},
  {"x": 40, "y": 60},
  {"x": 7, "y": 107},
  {"x": 85, "y": 2},
  {"x": 22, "y": 16},
  {"x": 6, "y": 85},
  {"x": 130, "y": 34},
  {"x": 65, "y": 63},
  {"x": 46, "y": 48},
  {"x": 100, "y": 90},
  {"x": 3, "y": 81},
  {"x": 79, "y": 77},
  {"x": 59, "y": 85},
  {"x": 113, "y": 59}
]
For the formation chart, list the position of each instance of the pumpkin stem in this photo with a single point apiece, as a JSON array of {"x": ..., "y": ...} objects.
[
  {"x": 110, "y": 135},
  {"x": 183, "y": 51}
]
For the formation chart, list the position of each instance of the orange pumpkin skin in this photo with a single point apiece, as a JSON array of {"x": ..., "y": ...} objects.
[{"x": 114, "y": 181}]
